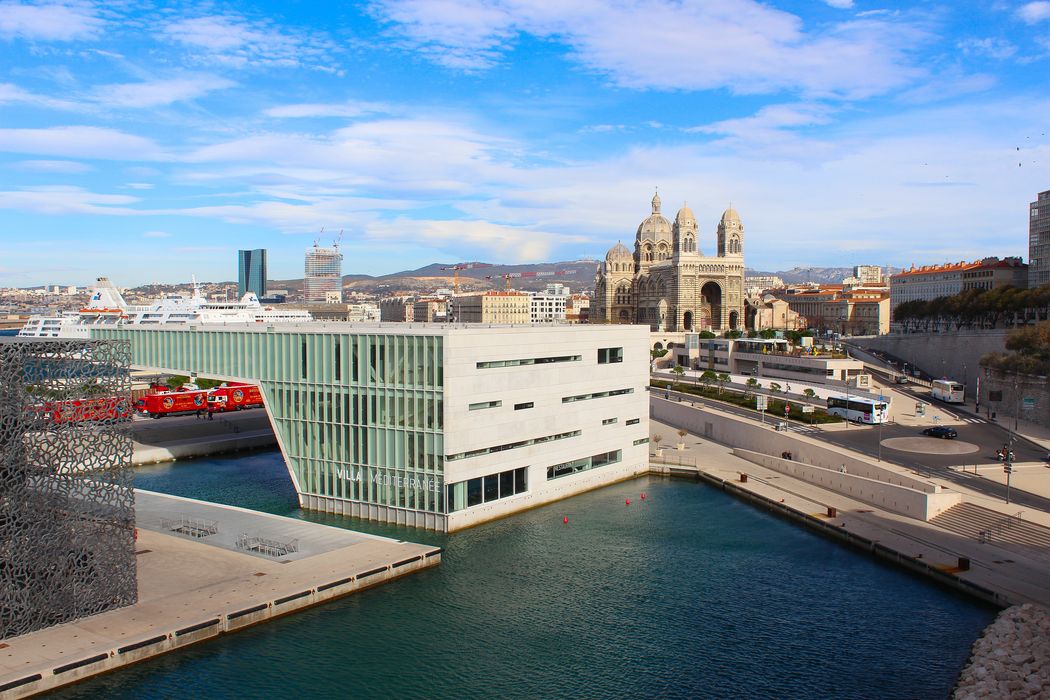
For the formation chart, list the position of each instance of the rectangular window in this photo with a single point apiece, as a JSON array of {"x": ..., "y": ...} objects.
[
  {"x": 633, "y": 421},
  {"x": 581, "y": 465},
  {"x": 473, "y": 492},
  {"x": 521, "y": 480},
  {"x": 491, "y": 487},
  {"x": 596, "y": 395},
  {"x": 528, "y": 361},
  {"x": 510, "y": 446},
  {"x": 608, "y": 421},
  {"x": 506, "y": 484},
  {"x": 522, "y": 406},
  {"x": 610, "y": 355},
  {"x": 482, "y": 405},
  {"x": 641, "y": 441}
]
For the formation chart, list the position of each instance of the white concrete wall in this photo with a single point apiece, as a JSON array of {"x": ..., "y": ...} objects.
[
  {"x": 899, "y": 499},
  {"x": 544, "y": 385}
]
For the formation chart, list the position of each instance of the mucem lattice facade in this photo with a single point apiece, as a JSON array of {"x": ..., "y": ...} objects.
[{"x": 67, "y": 519}]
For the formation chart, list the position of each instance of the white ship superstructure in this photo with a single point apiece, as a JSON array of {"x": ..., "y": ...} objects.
[{"x": 107, "y": 308}]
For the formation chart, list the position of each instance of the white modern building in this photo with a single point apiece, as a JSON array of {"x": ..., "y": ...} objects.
[
  {"x": 441, "y": 427},
  {"x": 547, "y": 308}
]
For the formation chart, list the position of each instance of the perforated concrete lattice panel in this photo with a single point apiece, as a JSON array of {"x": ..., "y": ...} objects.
[{"x": 67, "y": 520}]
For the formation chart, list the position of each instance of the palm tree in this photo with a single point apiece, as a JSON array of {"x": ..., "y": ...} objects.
[
  {"x": 722, "y": 380},
  {"x": 707, "y": 378},
  {"x": 809, "y": 393},
  {"x": 775, "y": 388},
  {"x": 677, "y": 371}
]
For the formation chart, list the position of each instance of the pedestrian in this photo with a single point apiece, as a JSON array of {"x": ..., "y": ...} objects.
[
  {"x": 200, "y": 414},
  {"x": 211, "y": 415}
]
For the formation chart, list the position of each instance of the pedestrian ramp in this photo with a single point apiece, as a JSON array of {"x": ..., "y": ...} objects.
[{"x": 992, "y": 527}]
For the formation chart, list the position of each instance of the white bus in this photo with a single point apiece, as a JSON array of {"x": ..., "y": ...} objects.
[
  {"x": 859, "y": 409},
  {"x": 946, "y": 390}
]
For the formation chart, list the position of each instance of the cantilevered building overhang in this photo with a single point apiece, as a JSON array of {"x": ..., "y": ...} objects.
[{"x": 432, "y": 426}]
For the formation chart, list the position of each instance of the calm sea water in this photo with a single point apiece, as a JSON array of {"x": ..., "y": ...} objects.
[{"x": 688, "y": 594}]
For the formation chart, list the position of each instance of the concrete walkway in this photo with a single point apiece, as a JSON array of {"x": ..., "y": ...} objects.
[
  {"x": 191, "y": 589},
  {"x": 1016, "y": 575}
]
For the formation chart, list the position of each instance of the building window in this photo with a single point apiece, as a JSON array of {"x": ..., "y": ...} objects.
[
  {"x": 581, "y": 465},
  {"x": 641, "y": 441},
  {"x": 608, "y": 356},
  {"x": 608, "y": 421},
  {"x": 510, "y": 446},
  {"x": 485, "y": 404},
  {"x": 596, "y": 395},
  {"x": 523, "y": 406},
  {"x": 485, "y": 489},
  {"x": 633, "y": 421},
  {"x": 528, "y": 361}
]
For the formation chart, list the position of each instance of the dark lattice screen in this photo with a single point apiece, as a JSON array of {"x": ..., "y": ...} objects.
[{"x": 67, "y": 514}]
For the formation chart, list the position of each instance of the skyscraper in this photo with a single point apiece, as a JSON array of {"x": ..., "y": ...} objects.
[
  {"x": 251, "y": 272},
  {"x": 324, "y": 274},
  {"x": 1039, "y": 241}
]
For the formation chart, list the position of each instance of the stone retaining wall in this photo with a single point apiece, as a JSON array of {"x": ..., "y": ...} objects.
[{"x": 1011, "y": 659}]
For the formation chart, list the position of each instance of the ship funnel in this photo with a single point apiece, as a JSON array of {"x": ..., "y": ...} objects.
[{"x": 106, "y": 296}]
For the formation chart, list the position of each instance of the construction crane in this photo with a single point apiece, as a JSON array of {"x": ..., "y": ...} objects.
[
  {"x": 516, "y": 275},
  {"x": 462, "y": 266}
]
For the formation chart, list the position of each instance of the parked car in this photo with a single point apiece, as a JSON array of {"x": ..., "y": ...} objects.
[
  {"x": 941, "y": 431},
  {"x": 901, "y": 379}
]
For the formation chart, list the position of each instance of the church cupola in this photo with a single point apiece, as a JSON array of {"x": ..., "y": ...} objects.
[
  {"x": 685, "y": 232},
  {"x": 730, "y": 234}
]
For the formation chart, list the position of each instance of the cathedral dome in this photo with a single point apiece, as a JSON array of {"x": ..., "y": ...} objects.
[
  {"x": 656, "y": 228},
  {"x": 730, "y": 215},
  {"x": 685, "y": 214},
  {"x": 618, "y": 252}
]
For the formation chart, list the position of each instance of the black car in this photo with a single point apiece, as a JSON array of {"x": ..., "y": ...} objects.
[{"x": 941, "y": 431}]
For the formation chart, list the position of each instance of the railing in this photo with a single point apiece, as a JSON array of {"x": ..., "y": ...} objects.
[
  {"x": 1000, "y": 527},
  {"x": 193, "y": 527},
  {"x": 267, "y": 547}
]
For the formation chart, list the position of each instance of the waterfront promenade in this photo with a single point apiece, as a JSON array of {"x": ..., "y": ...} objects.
[
  {"x": 1011, "y": 562},
  {"x": 204, "y": 583},
  {"x": 186, "y": 437}
]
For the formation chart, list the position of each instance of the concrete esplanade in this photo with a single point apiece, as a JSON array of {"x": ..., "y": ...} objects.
[{"x": 206, "y": 570}]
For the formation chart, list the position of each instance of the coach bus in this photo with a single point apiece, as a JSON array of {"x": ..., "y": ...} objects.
[
  {"x": 947, "y": 390},
  {"x": 858, "y": 409}
]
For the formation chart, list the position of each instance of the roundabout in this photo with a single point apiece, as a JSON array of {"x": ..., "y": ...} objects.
[{"x": 930, "y": 446}]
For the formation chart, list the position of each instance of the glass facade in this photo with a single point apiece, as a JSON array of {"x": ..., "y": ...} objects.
[
  {"x": 360, "y": 417},
  {"x": 251, "y": 272}
]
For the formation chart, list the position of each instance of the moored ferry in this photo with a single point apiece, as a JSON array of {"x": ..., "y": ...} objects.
[{"x": 107, "y": 308}]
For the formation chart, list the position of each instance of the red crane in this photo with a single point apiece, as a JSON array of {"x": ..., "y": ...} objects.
[{"x": 515, "y": 275}]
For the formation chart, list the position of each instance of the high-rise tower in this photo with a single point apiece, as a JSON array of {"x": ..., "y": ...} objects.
[
  {"x": 323, "y": 282},
  {"x": 251, "y": 272},
  {"x": 1039, "y": 241}
]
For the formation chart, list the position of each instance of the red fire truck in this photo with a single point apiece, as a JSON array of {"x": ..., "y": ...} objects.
[
  {"x": 86, "y": 410},
  {"x": 234, "y": 396},
  {"x": 172, "y": 403}
]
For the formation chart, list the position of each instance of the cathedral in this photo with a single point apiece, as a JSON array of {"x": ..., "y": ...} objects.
[{"x": 668, "y": 283}]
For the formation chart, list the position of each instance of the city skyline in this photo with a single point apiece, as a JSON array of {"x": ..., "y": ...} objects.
[{"x": 844, "y": 132}]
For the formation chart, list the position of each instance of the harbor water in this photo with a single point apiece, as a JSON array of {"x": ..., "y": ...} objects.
[{"x": 688, "y": 593}]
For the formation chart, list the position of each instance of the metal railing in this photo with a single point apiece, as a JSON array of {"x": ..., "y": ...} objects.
[
  {"x": 267, "y": 547},
  {"x": 192, "y": 527},
  {"x": 1000, "y": 527}
]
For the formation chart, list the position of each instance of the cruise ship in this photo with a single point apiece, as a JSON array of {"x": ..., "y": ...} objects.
[{"x": 107, "y": 308}]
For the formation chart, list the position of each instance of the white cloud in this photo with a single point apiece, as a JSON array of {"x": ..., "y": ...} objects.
[
  {"x": 1034, "y": 12},
  {"x": 742, "y": 45},
  {"x": 49, "y": 21},
  {"x": 344, "y": 109},
  {"x": 63, "y": 200},
  {"x": 156, "y": 234},
  {"x": 991, "y": 47},
  {"x": 158, "y": 93},
  {"x": 139, "y": 186},
  {"x": 840, "y": 4},
  {"x": 239, "y": 41},
  {"x": 79, "y": 142},
  {"x": 54, "y": 166},
  {"x": 10, "y": 93}
]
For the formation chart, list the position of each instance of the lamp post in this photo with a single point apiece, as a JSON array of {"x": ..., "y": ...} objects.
[
  {"x": 1017, "y": 406},
  {"x": 1008, "y": 465}
]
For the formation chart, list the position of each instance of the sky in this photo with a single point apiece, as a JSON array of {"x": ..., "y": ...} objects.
[{"x": 149, "y": 141}]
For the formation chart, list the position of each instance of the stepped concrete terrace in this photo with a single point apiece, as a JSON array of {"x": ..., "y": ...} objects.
[
  {"x": 1010, "y": 566},
  {"x": 205, "y": 570}
]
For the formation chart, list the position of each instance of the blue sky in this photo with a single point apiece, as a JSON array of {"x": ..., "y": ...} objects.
[{"x": 149, "y": 141}]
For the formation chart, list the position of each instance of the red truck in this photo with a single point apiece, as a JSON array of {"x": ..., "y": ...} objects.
[
  {"x": 86, "y": 410},
  {"x": 234, "y": 396},
  {"x": 172, "y": 403}
]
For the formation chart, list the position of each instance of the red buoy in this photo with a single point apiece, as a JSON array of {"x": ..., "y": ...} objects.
[
  {"x": 643, "y": 496},
  {"x": 565, "y": 519},
  {"x": 628, "y": 502}
]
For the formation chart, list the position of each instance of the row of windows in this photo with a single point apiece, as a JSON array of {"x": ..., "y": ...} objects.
[
  {"x": 581, "y": 465},
  {"x": 610, "y": 355},
  {"x": 633, "y": 421},
  {"x": 511, "y": 446},
  {"x": 596, "y": 395},
  {"x": 481, "y": 405},
  {"x": 641, "y": 441},
  {"x": 528, "y": 361},
  {"x": 485, "y": 489}
]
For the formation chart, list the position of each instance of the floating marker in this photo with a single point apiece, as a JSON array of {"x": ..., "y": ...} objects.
[
  {"x": 643, "y": 496},
  {"x": 628, "y": 502},
  {"x": 565, "y": 519}
]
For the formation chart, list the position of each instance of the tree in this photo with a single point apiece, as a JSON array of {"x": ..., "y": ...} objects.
[
  {"x": 751, "y": 384},
  {"x": 707, "y": 378},
  {"x": 677, "y": 371},
  {"x": 707, "y": 335},
  {"x": 775, "y": 388},
  {"x": 809, "y": 393},
  {"x": 722, "y": 380},
  {"x": 657, "y": 439}
]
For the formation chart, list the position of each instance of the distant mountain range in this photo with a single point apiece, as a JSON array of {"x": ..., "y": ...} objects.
[{"x": 578, "y": 275}]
